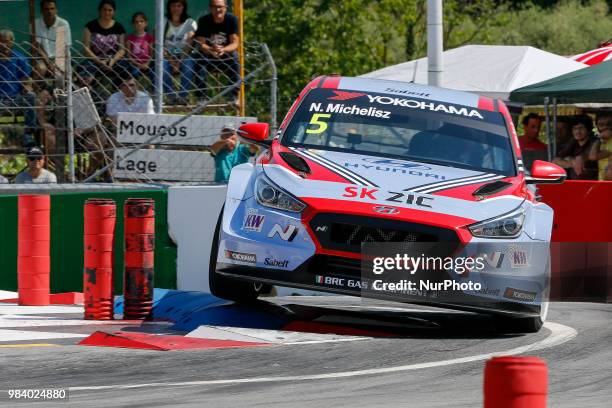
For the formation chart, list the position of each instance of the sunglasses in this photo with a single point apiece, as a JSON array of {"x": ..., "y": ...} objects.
[{"x": 36, "y": 158}]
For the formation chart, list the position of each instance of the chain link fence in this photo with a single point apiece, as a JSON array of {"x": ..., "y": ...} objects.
[{"x": 93, "y": 118}]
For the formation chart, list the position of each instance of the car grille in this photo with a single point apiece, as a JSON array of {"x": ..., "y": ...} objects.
[
  {"x": 327, "y": 264},
  {"x": 344, "y": 232},
  {"x": 355, "y": 235}
]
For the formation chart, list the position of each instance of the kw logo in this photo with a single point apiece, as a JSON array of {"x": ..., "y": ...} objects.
[
  {"x": 345, "y": 96},
  {"x": 286, "y": 234},
  {"x": 253, "y": 221}
]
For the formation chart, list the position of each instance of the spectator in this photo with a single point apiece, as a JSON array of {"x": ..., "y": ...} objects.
[
  {"x": 603, "y": 120},
  {"x": 602, "y": 147},
  {"x": 575, "y": 157},
  {"x": 229, "y": 152},
  {"x": 128, "y": 99},
  {"x": 3, "y": 179},
  {"x": 139, "y": 46},
  {"x": 15, "y": 74},
  {"x": 46, "y": 33},
  {"x": 178, "y": 37},
  {"x": 35, "y": 173},
  {"x": 531, "y": 147},
  {"x": 103, "y": 40},
  {"x": 564, "y": 132},
  {"x": 218, "y": 40}
]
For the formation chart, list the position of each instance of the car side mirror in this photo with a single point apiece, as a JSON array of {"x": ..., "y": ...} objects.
[
  {"x": 256, "y": 133},
  {"x": 543, "y": 172}
]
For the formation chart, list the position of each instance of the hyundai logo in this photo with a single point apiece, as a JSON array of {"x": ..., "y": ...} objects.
[
  {"x": 395, "y": 163},
  {"x": 381, "y": 209}
]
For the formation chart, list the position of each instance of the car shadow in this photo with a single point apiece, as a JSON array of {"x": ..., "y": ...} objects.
[
  {"x": 323, "y": 315},
  {"x": 413, "y": 322}
]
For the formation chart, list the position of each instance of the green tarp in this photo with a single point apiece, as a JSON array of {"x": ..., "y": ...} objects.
[{"x": 588, "y": 85}]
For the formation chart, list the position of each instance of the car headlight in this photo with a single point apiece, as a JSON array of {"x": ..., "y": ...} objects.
[
  {"x": 269, "y": 195},
  {"x": 505, "y": 226}
]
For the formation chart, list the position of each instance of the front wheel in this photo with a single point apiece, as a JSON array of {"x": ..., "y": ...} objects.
[
  {"x": 533, "y": 324},
  {"x": 223, "y": 286},
  {"x": 519, "y": 324}
]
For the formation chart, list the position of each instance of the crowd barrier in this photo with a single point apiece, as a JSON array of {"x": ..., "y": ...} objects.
[
  {"x": 582, "y": 240},
  {"x": 187, "y": 215}
]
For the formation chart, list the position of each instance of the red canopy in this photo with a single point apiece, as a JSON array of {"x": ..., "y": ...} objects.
[{"x": 595, "y": 56}]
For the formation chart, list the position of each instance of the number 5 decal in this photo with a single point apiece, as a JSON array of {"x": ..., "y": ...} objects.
[{"x": 315, "y": 120}]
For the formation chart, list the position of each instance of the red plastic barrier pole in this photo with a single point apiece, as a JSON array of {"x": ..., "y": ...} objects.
[
  {"x": 139, "y": 258},
  {"x": 515, "y": 382},
  {"x": 33, "y": 243},
  {"x": 100, "y": 216}
]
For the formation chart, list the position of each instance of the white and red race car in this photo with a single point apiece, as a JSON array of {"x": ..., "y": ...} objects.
[{"x": 359, "y": 161}]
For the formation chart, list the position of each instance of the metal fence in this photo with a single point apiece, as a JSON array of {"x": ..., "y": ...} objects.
[{"x": 70, "y": 106}]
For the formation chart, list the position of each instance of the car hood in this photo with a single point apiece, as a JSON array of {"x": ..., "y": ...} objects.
[
  {"x": 371, "y": 181},
  {"x": 385, "y": 172}
]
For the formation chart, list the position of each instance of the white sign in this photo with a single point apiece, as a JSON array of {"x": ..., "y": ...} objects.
[
  {"x": 157, "y": 164},
  {"x": 196, "y": 130}
]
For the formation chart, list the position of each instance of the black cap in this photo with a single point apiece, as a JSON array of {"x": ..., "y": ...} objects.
[{"x": 34, "y": 152}]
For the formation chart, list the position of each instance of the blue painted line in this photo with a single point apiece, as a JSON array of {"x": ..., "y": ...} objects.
[
  {"x": 232, "y": 315},
  {"x": 158, "y": 294},
  {"x": 189, "y": 310}
]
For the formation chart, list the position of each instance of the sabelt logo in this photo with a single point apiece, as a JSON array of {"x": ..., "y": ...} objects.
[
  {"x": 517, "y": 294},
  {"x": 276, "y": 262},
  {"x": 241, "y": 256}
]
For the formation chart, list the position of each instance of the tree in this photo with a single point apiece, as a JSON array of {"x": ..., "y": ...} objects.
[
  {"x": 352, "y": 37},
  {"x": 315, "y": 37},
  {"x": 465, "y": 22},
  {"x": 568, "y": 28}
]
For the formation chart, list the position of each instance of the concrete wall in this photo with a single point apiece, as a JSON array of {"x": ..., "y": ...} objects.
[{"x": 192, "y": 217}]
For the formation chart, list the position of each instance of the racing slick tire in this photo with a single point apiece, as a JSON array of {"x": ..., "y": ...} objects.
[
  {"x": 519, "y": 324},
  {"x": 522, "y": 324},
  {"x": 225, "y": 287}
]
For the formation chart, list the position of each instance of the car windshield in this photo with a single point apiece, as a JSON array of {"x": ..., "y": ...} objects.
[{"x": 404, "y": 128}]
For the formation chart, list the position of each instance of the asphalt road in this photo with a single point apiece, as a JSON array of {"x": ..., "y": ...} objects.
[{"x": 435, "y": 359}]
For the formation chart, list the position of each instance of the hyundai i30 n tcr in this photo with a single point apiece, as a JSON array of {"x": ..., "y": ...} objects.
[{"x": 359, "y": 161}]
